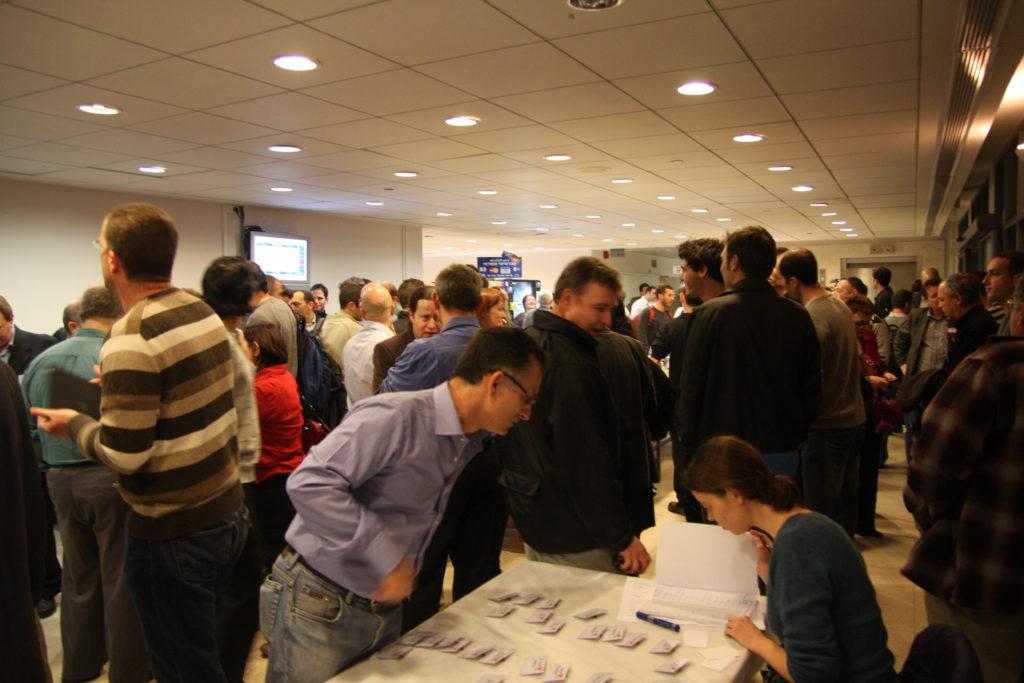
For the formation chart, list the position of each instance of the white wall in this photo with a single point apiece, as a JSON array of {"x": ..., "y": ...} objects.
[
  {"x": 46, "y": 258},
  {"x": 931, "y": 252}
]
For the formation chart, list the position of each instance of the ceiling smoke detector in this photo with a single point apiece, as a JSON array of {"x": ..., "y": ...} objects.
[{"x": 594, "y": 5}]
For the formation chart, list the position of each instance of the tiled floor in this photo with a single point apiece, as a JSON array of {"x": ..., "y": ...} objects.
[{"x": 901, "y": 602}]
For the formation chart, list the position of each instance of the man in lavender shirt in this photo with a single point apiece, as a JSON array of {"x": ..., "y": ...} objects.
[{"x": 370, "y": 496}]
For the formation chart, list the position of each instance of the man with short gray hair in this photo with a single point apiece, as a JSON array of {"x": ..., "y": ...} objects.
[{"x": 971, "y": 325}]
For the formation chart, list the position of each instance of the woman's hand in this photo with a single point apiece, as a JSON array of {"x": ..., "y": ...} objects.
[
  {"x": 877, "y": 382},
  {"x": 743, "y": 631},
  {"x": 763, "y": 545}
]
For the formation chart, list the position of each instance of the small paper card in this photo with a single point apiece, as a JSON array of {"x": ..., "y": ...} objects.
[
  {"x": 552, "y": 627},
  {"x": 458, "y": 645},
  {"x": 591, "y": 613},
  {"x": 497, "y": 656},
  {"x": 540, "y": 616},
  {"x": 492, "y": 678},
  {"x": 632, "y": 640},
  {"x": 673, "y": 666},
  {"x": 502, "y": 597},
  {"x": 559, "y": 673},
  {"x": 614, "y": 634},
  {"x": 718, "y": 664},
  {"x": 549, "y": 603},
  {"x": 665, "y": 647},
  {"x": 415, "y": 637},
  {"x": 501, "y": 611},
  {"x": 430, "y": 642},
  {"x": 527, "y": 599},
  {"x": 720, "y": 652},
  {"x": 600, "y": 678},
  {"x": 394, "y": 652},
  {"x": 695, "y": 638},
  {"x": 476, "y": 652},
  {"x": 593, "y": 633},
  {"x": 534, "y": 667}
]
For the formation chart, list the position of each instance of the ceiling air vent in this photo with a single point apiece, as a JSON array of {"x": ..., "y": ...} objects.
[{"x": 593, "y": 5}]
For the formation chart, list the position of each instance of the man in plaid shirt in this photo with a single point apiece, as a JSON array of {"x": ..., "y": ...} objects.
[{"x": 965, "y": 488}]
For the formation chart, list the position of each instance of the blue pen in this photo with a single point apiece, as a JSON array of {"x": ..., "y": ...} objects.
[{"x": 651, "y": 619}]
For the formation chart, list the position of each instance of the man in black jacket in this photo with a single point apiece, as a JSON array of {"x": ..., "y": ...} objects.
[
  {"x": 960, "y": 299},
  {"x": 562, "y": 470},
  {"x": 17, "y": 346},
  {"x": 752, "y": 362},
  {"x": 880, "y": 279}
]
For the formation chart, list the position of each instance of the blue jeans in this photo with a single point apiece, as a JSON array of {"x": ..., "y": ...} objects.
[
  {"x": 829, "y": 464},
  {"x": 176, "y": 585},
  {"x": 317, "y": 628}
]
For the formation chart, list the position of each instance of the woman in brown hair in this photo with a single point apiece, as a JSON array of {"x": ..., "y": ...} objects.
[
  {"x": 821, "y": 604},
  {"x": 493, "y": 308}
]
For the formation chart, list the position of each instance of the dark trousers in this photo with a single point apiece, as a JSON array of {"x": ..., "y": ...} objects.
[
  {"x": 176, "y": 585},
  {"x": 52, "y": 576},
  {"x": 829, "y": 463},
  {"x": 470, "y": 533},
  {"x": 274, "y": 514},
  {"x": 97, "y": 617},
  {"x": 911, "y": 423},
  {"x": 867, "y": 479},
  {"x": 238, "y": 612},
  {"x": 692, "y": 510}
]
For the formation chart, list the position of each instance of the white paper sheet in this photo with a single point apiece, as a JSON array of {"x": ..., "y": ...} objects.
[
  {"x": 637, "y": 594},
  {"x": 706, "y": 557}
]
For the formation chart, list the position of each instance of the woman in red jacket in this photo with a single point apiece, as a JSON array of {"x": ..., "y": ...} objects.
[{"x": 277, "y": 401}]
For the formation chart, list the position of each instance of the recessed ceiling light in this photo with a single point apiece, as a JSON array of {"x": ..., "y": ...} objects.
[
  {"x": 538, "y": 248},
  {"x": 851, "y": 234},
  {"x": 838, "y": 222},
  {"x": 628, "y": 225},
  {"x": 152, "y": 169},
  {"x": 666, "y": 197},
  {"x": 375, "y": 203},
  {"x": 699, "y": 210},
  {"x": 285, "y": 149},
  {"x": 295, "y": 63},
  {"x": 405, "y": 174},
  {"x": 802, "y": 188},
  {"x": 443, "y": 213},
  {"x": 657, "y": 232},
  {"x": 98, "y": 109},
  {"x": 542, "y": 229},
  {"x": 607, "y": 239},
  {"x": 1020, "y": 145},
  {"x": 845, "y": 229},
  {"x": 558, "y": 157},
  {"x": 499, "y": 222},
  {"x": 280, "y": 189},
  {"x": 630, "y": 244},
  {"x": 679, "y": 237},
  {"x": 748, "y": 137},
  {"x": 830, "y": 213},
  {"x": 696, "y": 88},
  {"x": 487, "y": 192},
  {"x": 723, "y": 220},
  {"x": 462, "y": 121},
  {"x": 577, "y": 234},
  {"x": 471, "y": 241},
  {"x": 622, "y": 181},
  {"x": 506, "y": 244},
  {"x": 592, "y": 215},
  {"x": 446, "y": 247},
  {"x": 779, "y": 169},
  {"x": 548, "y": 206},
  {"x": 819, "y": 204}
]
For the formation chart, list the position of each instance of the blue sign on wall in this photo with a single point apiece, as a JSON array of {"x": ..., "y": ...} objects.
[{"x": 504, "y": 266}]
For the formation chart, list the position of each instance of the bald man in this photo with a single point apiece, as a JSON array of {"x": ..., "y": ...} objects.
[{"x": 376, "y": 307}]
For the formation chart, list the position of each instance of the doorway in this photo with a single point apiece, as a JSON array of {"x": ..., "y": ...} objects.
[{"x": 904, "y": 269}]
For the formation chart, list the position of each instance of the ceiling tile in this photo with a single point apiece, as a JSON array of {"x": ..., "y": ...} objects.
[
  {"x": 861, "y": 124},
  {"x": 311, "y": 147},
  {"x": 868, "y": 159},
  {"x": 205, "y": 129},
  {"x": 480, "y": 162},
  {"x": 13, "y": 141},
  {"x": 513, "y": 139},
  {"x": 93, "y": 176},
  {"x": 356, "y": 160},
  {"x": 848, "y": 67},
  {"x": 172, "y": 27},
  {"x": 554, "y": 20},
  {"x": 875, "y": 172},
  {"x": 389, "y": 92},
  {"x": 428, "y": 150},
  {"x": 184, "y": 83},
  {"x": 213, "y": 157},
  {"x": 578, "y": 101},
  {"x": 491, "y": 117},
  {"x": 648, "y": 145},
  {"x": 287, "y": 112},
  {"x": 682, "y": 43},
  {"x": 165, "y": 185},
  {"x": 697, "y": 158},
  {"x": 799, "y": 26},
  {"x": 221, "y": 178},
  {"x": 285, "y": 170},
  {"x": 254, "y": 57},
  {"x": 65, "y": 154},
  {"x": 41, "y": 126},
  {"x": 524, "y": 68},
  {"x": 774, "y": 133},
  {"x": 741, "y": 153},
  {"x": 736, "y": 81},
  {"x": 685, "y": 176},
  {"x": 82, "y": 53},
  {"x": 132, "y": 166},
  {"x": 342, "y": 181},
  {"x": 863, "y": 99},
  {"x": 28, "y": 166},
  {"x": 581, "y": 155},
  {"x": 867, "y": 143},
  {"x": 15, "y": 82},
  {"x": 366, "y": 133},
  {"x": 615, "y": 127},
  {"x": 128, "y": 142},
  {"x": 430, "y": 30},
  {"x": 721, "y": 114},
  {"x": 883, "y": 200},
  {"x": 64, "y": 101},
  {"x": 302, "y": 10}
]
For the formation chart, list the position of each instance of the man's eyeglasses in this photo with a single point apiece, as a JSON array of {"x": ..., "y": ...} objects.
[{"x": 528, "y": 398}]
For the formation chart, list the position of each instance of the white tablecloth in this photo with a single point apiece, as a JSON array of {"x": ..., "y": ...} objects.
[{"x": 579, "y": 590}]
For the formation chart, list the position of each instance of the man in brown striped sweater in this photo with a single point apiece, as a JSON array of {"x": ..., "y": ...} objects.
[{"x": 168, "y": 427}]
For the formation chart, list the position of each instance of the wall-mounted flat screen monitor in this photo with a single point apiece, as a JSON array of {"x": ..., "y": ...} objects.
[{"x": 286, "y": 257}]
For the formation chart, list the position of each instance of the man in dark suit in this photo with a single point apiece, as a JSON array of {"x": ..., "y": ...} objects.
[
  {"x": 960, "y": 298},
  {"x": 17, "y": 346}
]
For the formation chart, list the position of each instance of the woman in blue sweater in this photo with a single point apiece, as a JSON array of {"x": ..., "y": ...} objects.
[{"x": 821, "y": 604}]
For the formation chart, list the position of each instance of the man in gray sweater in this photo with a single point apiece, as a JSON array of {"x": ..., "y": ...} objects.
[{"x": 829, "y": 454}]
